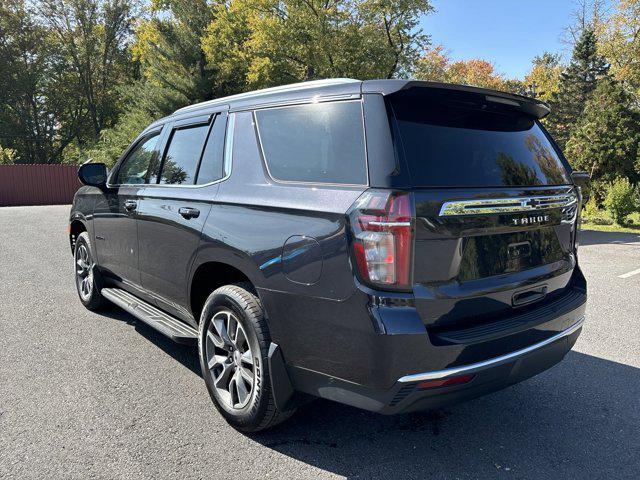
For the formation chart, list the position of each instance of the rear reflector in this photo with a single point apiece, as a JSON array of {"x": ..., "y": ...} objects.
[{"x": 445, "y": 382}]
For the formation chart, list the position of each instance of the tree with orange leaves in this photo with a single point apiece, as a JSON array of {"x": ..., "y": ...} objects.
[{"x": 436, "y": 65}]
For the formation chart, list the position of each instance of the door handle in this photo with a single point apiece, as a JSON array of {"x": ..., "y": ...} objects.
[
  {"x": 189, "y": 212},
  {"x": 130, "y": 205}
]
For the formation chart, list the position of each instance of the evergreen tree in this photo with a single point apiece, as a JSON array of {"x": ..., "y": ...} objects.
[
  {"x": 606, "y": 140},
  {"x": 577, "y": 83},
  {"x": 174, "y": 69}
]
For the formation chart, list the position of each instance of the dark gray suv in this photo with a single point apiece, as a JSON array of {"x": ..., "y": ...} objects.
[{"x": 393, "y": 245}]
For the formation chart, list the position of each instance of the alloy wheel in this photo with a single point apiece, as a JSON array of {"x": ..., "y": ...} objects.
[
  {"x": 230, "y": 360},
  {"x": 84, "y": 272}
]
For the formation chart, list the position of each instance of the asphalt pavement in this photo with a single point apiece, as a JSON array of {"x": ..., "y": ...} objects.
[{"x": 87, "y": 395}]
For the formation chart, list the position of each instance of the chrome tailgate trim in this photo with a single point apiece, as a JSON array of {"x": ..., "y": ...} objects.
[{"x": 507, "y": 205}]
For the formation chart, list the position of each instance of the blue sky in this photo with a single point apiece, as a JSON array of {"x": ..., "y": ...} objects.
[{"x": 508, "y": 33}]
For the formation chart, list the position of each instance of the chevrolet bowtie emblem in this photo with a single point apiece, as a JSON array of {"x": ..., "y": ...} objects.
[{"x": 531, "y": 203}]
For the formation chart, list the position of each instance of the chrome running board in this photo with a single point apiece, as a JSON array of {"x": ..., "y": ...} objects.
[{"x": 164, "y": 323}]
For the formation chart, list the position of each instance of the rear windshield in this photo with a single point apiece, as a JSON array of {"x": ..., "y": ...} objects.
[{"x": 460, "y": 139}]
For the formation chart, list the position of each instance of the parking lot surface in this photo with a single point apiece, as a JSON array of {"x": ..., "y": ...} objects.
[{"x": 87, "y": 395}]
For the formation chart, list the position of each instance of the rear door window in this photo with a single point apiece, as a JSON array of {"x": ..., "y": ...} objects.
[
  {"x": 457, "y": 140},
  {"x": 316, "y": 143},
  {"x": 212, "y": 163},
  {"x": 183, "y": 153}
]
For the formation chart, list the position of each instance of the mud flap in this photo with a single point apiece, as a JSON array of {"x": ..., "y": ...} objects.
[{"x": 281, "y": 386}]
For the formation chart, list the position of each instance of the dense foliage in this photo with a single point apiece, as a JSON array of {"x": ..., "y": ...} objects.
[
  {"x": 605, "y": 140},
  {"x": 62, "y": 64},
  {"x": 81, "y": 78},
  {"x": 620, "y": 200},
  {"x": 577, "y": 83}
]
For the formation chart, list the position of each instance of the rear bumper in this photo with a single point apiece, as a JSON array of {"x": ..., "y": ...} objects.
[
  {"x": 475, "y": 368},
  {"x": 488, "y": 376}
]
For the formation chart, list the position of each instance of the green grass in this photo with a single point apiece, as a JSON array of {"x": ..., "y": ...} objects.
[{"x": 613, "y": 227}]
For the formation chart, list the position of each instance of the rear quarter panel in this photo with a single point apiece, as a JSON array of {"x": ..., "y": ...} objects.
[
  {"x": 253, "y": 216},
  {"x": 251, "y": 220}
]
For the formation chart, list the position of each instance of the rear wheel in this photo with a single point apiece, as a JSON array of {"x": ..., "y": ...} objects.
[
  {"x": 87, "y": 278},
  {"x": 234, "y": 343}
]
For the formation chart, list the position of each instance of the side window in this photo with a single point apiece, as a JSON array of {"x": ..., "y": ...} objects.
[
  {"x": 183, "y": 154},
  {"x": 212, "y": 163},
  {"x": 318, "y": 143},
  {"x": 135, "y": 167}
]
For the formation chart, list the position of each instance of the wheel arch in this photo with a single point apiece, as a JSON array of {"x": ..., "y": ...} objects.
[
  {"x": 212, "y": 274},
  {"x": 76, "y": 227}
]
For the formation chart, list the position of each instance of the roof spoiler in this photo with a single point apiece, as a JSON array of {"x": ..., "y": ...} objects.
[{"x": 527, "y": 105}]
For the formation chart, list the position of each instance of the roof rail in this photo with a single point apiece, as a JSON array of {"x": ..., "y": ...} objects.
[{"x": 267, "y": 91}]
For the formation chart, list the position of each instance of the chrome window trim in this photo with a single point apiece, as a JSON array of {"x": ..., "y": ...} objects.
[
  {"x": 507, "y": 205},
  {"x": 228, "y": 146},
  {"x": 492, "y": 362},
  {"x": 301, "y": 182}
]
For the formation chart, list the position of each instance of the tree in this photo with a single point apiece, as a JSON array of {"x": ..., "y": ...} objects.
[
  {"x": 543, "y": 81},
  {"x": 620, "y": 43},
  {"x": 93, "y": 36},
  {"x": 577, "y": 83},
  {"x": 435, "y": 65},
  {"x": 35, "y": 99},
  {"x": 114, "y": 141},
  {"x": 260, "y": 43},
  {"x": 606, "y": 139},
  {"x": 475, "y": 72},
  {"x": 62, "y": 63},
  {"x": 174, "y": 69},
  {"x": 586, "y": 14},
  {"x": 7, "y": 156}
]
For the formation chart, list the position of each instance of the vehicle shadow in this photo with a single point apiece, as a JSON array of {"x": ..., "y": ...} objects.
[
  {"x": 594, "y": 237},
  {"x": 580, "y": 419},
  {"x": 186, "y": 355}
]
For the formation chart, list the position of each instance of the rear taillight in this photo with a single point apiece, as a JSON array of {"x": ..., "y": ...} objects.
[
  {"x": 570, "y": 215},
  {"x": 382, "y": 227}
]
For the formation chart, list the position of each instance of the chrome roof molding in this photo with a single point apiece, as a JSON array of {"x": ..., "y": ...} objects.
[{"x": 487, "y": 206}]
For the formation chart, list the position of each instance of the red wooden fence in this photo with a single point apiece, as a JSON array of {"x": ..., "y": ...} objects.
[{"x": 38, "y": 184}]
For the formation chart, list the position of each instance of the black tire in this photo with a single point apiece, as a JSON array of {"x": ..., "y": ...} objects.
[
  {"x": 259, "y": 412},
  {"x": 87, "y": 277}
]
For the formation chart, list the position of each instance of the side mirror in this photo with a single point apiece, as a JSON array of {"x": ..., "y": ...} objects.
[
  {"x": 93, "y": 174},
  {"x": 583, "y": 181}
]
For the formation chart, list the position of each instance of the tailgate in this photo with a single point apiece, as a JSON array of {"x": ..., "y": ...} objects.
[{"x": 482, "y": 254}]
